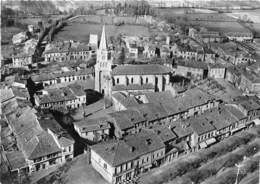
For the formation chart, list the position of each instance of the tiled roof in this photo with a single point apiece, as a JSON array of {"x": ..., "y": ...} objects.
[
  {"x": 117, "y": 152},
  {"x": 51, "y": 76},
  {"x": 126, "y": 101},
  {"x": 21, "y": 92},
  {"x": 45, "y": 146},
  {"x": 248, "y": 102},
  {"x": 126, "y": 119},
  {"x": 193, "y": 64},
  {"x": 31, "y": 138},
  {"x": 164, "y": 133},
  {"x": 181, "y": 129},
  {"x": 16, "y": 159},
  {"x": 133, "y": 87},
  {"x": 57, "y": 95},
  {"x": 88, "y": 125},
  {"x": 144, "y": 69},
  {"x": 200, "y": 125},
  {"x": 77, "y": 89},
  {"x": 6, "y": 94}
]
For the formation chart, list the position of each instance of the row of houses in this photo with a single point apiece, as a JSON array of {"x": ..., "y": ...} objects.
[
  {"x": 61, "y": 77},
  {"x": 68, "y": 51},
  {"x": 153, "y": 144},
  {"x": 71, "y": 97},
  {"x": 37, "y": 141},
  {"x": 132, "y": 113}
]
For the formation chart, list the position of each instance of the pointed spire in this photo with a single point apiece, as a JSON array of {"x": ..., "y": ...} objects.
[{"x": 103, "y": 43}]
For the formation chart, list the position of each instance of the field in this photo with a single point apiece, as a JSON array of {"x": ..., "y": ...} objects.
[{"x": 80, "y": 32}]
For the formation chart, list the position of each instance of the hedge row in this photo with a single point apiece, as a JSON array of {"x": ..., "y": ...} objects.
[{"x": 197, "y": 176}]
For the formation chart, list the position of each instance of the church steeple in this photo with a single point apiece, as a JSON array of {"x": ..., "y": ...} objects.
[{"x": 103, "y": 44}]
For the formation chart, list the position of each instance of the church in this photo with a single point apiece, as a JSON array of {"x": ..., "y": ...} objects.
[{"x": 127, "y": 78}]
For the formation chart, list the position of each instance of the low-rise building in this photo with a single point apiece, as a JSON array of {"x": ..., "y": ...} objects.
[
  {"x": 249, "y": 105},
  {"x": 69, "y": 97},
  {"x": 123, "y": 160},
  {"x": 53, "y": 78},
  {"x": 68, "y": 51},
  {"x": 37, "y": 149},
  {"x": 231, "y": 52},
  {"x": 250, "y": 82},
  {"x": 94, "y": 130},
  {"x": 122, "y": 101},
  {"x": 64, "y": 141},
  {"x": 192, "y": 69},
  {"x": 217, "y": 71}
]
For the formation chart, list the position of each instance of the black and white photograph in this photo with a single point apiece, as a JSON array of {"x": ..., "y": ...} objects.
[{"x": 130, "y": 92}]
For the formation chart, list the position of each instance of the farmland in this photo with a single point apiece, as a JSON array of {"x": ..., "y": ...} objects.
[{"x": 80, "y": 32}]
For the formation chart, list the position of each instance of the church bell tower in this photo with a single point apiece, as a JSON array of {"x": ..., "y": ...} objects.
[{"x": 103, "y": 67}]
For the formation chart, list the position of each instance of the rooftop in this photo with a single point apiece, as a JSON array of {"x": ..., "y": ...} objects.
[
  {"x": 142, "y": 69},
  {"x": 252, "y": 76},
  {"x": 193, "y": 64},
  {"x": 57, "y": 95},
  {"x": 88, "y": 125},
  {"x": 127, "y": 119},
  {"x": 133, "y": 87},
  {"x": 58, "y": 74},
  {"x": 16, "y": 159},
  {"x": 31, "y": 138},
  {"x": 125, "y": 100},
  {"x": 248, "y": 102},
  {"x": 164, "y": 133},
  {"x": 117, "y": 152}
]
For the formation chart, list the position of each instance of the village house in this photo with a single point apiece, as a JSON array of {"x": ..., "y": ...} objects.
[
  {"x": 190, "y": 103},
  {"x": 67, "y": 77},
  {"x": 230, "y": 52},
  {"x": 206, "y": 36},
  {"x": 250, "y": 82},
  {"x": 192, "y": 69},
  {"x": 68, "y": 51},
  {"x": 184, "y": 135},
  {"x": 69, "y": 97},
  {"x": 94, "y": 130},
  {"x": 184, "y": 51},
  {"x": 233, "y": 75},
  {"x": 123, "y": 160},
  {"x": 37, "y": 149},
  {"x": 122, "y": 101},
  {"x": 24, "y": 56},
  {"x": 250, "y": 106},
  {"x": 245, "y": 35},
  {"x": 216, "y": 71},
  {"x": 64, "y": 141}
]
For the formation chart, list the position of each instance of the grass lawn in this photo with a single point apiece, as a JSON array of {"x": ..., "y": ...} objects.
[{"x": 80, "y": 32}]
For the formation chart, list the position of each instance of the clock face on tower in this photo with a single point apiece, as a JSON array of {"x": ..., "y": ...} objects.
[{"x": 103, "y": 57}]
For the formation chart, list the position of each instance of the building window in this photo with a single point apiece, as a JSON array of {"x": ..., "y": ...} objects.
[
  {"x": 146, "y": 80},
  {"x": 117, "y": 80},
  {"x": 132, "y": 80}
]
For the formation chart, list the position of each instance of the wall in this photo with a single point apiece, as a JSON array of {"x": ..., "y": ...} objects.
[{"x": 97, "y": 162}]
